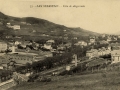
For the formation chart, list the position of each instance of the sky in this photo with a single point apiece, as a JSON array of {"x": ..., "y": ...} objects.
[{"x": 100, "y": 16}]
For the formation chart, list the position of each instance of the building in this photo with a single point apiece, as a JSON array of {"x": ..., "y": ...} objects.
[
  {"x": 92, "y": 53},
  {"x": 50, "y": 41},
  {"x": 3, "y": 46},
  {"x": 61, "y": 47},
  {"x": 16, "y": 27},
  {"x": 114, "y": 46},
  {"x": 21, "y": 58},
  {"x": 1, "y": 23},
  {"x": 115, "y": 56},
  {"x": 102, "y": 52},
  {"x": 97, "y": 53},
  {"x": 82, "y": 43},
  {"x": 24, "y": 44},
  {"x": 17, "y": 42},
  {"x": 23, "y": 22},
  {"x": 68, "y": 45},
  {"x": 92, "y": 39},
  {"x": 109, "y": 39},
  {"x": 103, "y": 35},
  {"x": 103, "y": 42},
  {"x": 47, "y": 46},
  {"x": 118, "y": 36}
]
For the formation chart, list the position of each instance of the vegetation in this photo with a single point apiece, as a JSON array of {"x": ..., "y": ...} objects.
[
  {"x": 97, "y": 81},
  {"x": 5, "y": 75},
  {"x": 42, "y": 27},
  {"x": 48, "y": 63}
]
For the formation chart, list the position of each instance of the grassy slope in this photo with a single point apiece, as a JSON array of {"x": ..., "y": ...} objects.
[{"x": 98, "y": 81}]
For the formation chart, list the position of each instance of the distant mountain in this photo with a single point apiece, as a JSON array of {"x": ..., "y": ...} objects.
[{"x": 36, "y": 27}]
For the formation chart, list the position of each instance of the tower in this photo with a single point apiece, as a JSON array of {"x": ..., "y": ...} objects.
[{"x": 75, "y": 59}]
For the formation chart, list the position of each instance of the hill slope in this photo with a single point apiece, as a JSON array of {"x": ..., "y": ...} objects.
[
  {"x": 36, "y": 27},
  {"x": 97, "y": 81}
]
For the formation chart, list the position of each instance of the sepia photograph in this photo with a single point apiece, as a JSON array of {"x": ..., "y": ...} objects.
[{"x": 59, "y": 45}]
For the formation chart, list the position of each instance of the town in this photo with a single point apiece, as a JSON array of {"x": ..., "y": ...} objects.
[{"x": 27, "y": 55}]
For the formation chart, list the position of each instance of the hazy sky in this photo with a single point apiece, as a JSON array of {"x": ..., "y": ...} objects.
[{"x": 98, "y": 15}]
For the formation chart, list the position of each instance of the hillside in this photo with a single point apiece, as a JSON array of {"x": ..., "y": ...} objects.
[
  {"x": 97, "y": 81},
  {"x": 40, "y": 27}
]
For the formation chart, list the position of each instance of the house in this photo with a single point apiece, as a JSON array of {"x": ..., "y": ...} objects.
[
  {"x": 1, "y": 23},
  {"x": 83, "y": 43},
  {"x": 115, "y": 38},
  {"x": 16, "y": 27},
  {"x": 89, "y": 54},
  {"x": 92, "y": 39},
  {"x": 35, "y": 45},
  {"x": 23, "y": 22},
  {"x": 109, "y": 39},
  {"x": 103, "y": 51},
  {"x": 68, "y": 45},
  {"x": 50, "y": 41},
  {"x": 100, "y": 52},
  {"x": 114, "y": 46},
  {"x": 64, "y": 30},
  {"x": 92, "y": 53},
  {"x": 28, "y": 23},
  {"x": 61, "y": 47},
  {"x": 65, "y": 37},
  {"x": 8, "y": 23},
  {"x": 3, "y": 46},
  {"x": 1, "y": 66},
  {"x": 17, "y": 42},
  {"x": 115, "y": 56},
  {"x": 103, "y": 42},
  {"x": 75, "y": 38},
  {"x": 47, "y": 46},
  {"x": 103, "y": 35},
  {"x": 22, "y": 58},
  {"x": 118, "y": 36},
  {"x": 9, "y": 36},
  {"x": 25, "y": 43}
]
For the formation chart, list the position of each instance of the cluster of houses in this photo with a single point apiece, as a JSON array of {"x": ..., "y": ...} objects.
[
  {"x": 115, "y": 52},
  {"x": 97, "y": 52},
  {"x": 15, "y": 27},
  {"x": 20, "y": 57},
  {"x": 113, "y": 49},
  {"x": 26, "y": 54}
]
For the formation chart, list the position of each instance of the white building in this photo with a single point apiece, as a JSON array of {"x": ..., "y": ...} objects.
[
  {"x": 92, "y": 39},
  {"x": 50, "y": 41},
  {"x": 92, "y": 53},
  {"x": 17, "y": 42},
  {"x": 83, "y": 43},
  {"x": 3, "y": 46},
  {"x": 115, "y": 56},
  {"x": 16, "y": 27},
  {"x": 47, "y": 46}
]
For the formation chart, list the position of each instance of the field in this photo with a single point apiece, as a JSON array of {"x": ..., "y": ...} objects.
[{"x": 109, "y": 80}]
